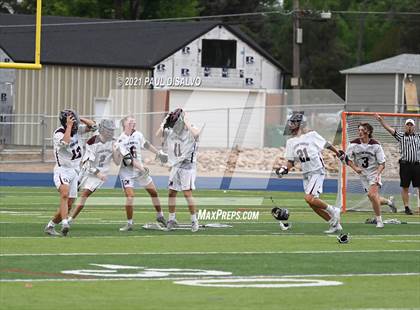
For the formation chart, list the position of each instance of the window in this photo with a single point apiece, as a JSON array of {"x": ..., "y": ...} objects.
[
  {"x": 102, "y": 108},
  {"x": 218, "y": 53}
]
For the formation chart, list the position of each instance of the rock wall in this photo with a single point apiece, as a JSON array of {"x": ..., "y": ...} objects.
[{"x": 267, "y": 159}]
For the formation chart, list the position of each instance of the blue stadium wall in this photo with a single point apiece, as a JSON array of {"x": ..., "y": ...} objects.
[{"x": 274, "y": 184}]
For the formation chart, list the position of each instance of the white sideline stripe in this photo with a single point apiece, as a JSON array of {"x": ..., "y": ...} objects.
[
  {"x": 274, "y": 234},
  {"x": 222, "y": 277},
  {"x": 355, "y": 275},
  {"x": 169, "y": 234},
  {"x": 381, "y": 309},
  {"x": 145, "y": 201},
  {"x": 124, "y": 221},
  {"x": 403, "y": 241},
  {"x": 85, "y": 221},
  {"x": 207, "y": 253}
]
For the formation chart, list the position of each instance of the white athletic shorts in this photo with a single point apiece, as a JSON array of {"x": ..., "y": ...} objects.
[
  {"x": 182, "y": 179},
  {"x": 370, "y": 179},
  {"x": 140, "y": 181},
  {"x": 90, "y": 182},
  {"x": 67, "y": 176},
  {"x": 313, "y": 182}
]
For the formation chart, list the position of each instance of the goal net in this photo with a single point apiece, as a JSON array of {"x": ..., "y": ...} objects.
[{"x": 353, "y": 194}]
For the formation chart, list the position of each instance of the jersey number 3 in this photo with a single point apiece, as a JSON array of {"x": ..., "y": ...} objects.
[
  {"x": 365, "y": 163},
  {"x": 303, "y": 155}
]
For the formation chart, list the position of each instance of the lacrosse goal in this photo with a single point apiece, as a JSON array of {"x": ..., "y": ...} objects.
[{"x": 353, "y": 195}]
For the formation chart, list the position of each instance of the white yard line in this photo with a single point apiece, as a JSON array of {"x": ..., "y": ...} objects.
[
  {"x": 222, "y": 277},
  {"x": 209, "y": 253}
]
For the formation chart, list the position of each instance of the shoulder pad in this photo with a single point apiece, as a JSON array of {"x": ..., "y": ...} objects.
[
  {"x": 93, "y": 140},
  {"x": 373, "y": 141},
  {"x": 60, "y": 130}
]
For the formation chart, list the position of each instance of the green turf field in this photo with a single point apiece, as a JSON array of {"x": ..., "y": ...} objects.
[{"x": 252, "y": 265}]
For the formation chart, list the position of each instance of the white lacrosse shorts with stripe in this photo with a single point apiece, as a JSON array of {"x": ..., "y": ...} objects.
[
  {"x": 313, "y": 183},
  {"x": 91, "y": 183},
  {"x": 181, "y": 179},
  {"x": 135, "y": 181},
  {"x": 68, "y": 176},
  {"x": 370, "y": 179}
]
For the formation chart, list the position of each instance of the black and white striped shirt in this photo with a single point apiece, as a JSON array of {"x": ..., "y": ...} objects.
[{"x": 409, "y": 146}]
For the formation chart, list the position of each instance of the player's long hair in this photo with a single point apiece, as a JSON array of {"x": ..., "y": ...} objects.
[{"x": 368, "y": 128}]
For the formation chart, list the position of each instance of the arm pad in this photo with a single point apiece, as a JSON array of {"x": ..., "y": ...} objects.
[{"x": 342, "y": 156}]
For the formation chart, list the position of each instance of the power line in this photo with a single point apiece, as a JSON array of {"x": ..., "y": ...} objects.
[
  {"x": 280, "y": 12},
  {"x": 376, "y": 12},
  {"x": 285, "y": 13}
]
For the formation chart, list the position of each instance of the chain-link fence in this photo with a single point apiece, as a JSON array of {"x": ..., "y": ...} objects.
[{"x": 223, "y": 129}]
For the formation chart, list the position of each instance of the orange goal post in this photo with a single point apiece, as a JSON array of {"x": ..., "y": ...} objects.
[{"x": 353, "y": 196}]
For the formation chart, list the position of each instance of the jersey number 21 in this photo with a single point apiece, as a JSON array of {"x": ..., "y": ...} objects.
[{"x": 303, "y": 155}]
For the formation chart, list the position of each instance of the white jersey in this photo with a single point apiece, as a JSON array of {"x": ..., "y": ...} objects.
[
  {"x": 130, "y": 144},
  {"x": 306, "y": 149},
  {"x": 367, "y": 156},
  {"x": 99, "y": 154},
  {"x": 181, "y": 148},
  {"x": 67, "y": 155}
]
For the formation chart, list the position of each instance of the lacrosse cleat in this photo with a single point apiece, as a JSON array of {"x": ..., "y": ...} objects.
[
  {"x": 65, "y": 229},
  {"x": 335, "y": 217},
  {"x": 171, "y": 224},
  {"x": 194, "y": 226},
  {"x": 161, "y": 219},
  {"x": 127, "y": 227},
  {"x": 334, "y": 228},
  {"x": 391, "y": 205},
  {"x": 379, "y": 224},
  {"x": 408, "y": 211},
  {"x": 49, "y": 230}
]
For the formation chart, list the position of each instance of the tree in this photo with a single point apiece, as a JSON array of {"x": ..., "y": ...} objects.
[
  {"x": 345, "y": 41},
  {"x": 116, "y": 9}
]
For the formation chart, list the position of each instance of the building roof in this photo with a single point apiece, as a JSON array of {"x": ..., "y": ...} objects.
[
  {"x": 104, "y": 43},
  {"x": 404, "y": 63}
]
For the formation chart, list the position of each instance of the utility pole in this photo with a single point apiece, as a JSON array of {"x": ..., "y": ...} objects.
[{"x": 297, "y": 39}]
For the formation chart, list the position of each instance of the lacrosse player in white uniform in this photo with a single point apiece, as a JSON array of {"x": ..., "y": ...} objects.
[
  {"x": 366, "y": 157},
  {"x": 181, "y": 144},
  {"x": 68, "y": 154},
  {"x": 132, "y": 171},
  {"x": 305, "y": 147},
  {"x": 96, "y": 163}
]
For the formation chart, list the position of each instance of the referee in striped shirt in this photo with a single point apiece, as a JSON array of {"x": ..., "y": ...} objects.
[{"x": 409, "y": 142}]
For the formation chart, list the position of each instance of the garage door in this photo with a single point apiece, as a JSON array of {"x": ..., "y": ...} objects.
[{"x": 229, "y": 117}]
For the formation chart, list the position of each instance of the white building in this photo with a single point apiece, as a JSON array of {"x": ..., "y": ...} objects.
[{"x": 102, "y": 66}]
